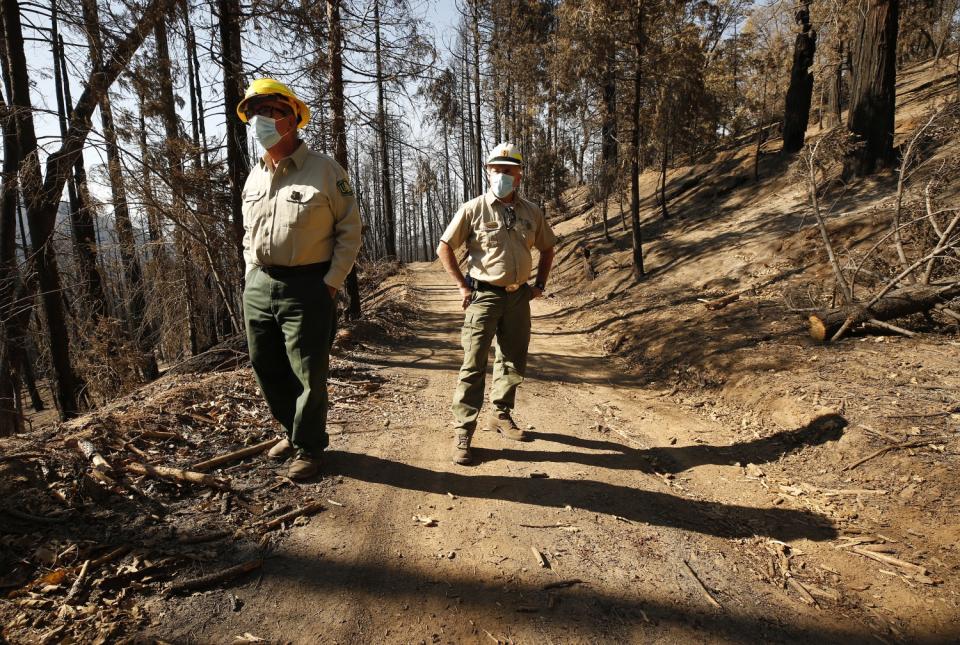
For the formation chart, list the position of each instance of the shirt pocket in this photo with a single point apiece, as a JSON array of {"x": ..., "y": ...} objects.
[
  {"x": 251, "y": 207},
  {"x": 304, "y": 208},
  {"x": 528, "y": 231},
  {"x": 490, "y": 235}
]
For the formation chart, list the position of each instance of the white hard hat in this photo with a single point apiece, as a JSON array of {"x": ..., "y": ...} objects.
[{"x": 505, "y": 153}]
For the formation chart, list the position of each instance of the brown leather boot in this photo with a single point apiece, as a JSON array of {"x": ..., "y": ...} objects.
[
  {"x": 501, "y": 421},
  {"x": 304, "y": 466},
  {"x": 461, "y": 447},
  {"x": 281, "y": 450}
]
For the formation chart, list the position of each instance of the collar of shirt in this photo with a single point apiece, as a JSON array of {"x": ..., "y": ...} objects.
[
  {"x": 493, "y": 202},
  {"x": 298, "y": 157}
]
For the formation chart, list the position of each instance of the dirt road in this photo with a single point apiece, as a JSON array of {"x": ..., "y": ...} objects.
[{"x": 648, "y": 531}]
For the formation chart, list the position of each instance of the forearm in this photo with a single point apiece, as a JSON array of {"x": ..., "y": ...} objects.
[
  {"x": 449, "y": 260},
  {"x": 546, "y": 262}
]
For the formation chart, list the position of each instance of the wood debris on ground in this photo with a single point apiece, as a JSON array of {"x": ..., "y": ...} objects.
[{"x": 161, "y": 492}]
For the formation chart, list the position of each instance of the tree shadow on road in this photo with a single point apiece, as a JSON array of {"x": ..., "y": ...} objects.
[
  {"x": 828, "y": 427},
  {"x": 632, "y": 504},
  {"x": 580, "y": 614}
]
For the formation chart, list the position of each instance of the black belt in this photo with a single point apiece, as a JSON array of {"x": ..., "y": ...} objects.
[
  {"x": 486, "y": 286},
  {"x": 276, "y": 271}
]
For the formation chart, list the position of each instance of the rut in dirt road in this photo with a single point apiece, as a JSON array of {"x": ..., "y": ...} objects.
[{"x": 596, "y": 530}]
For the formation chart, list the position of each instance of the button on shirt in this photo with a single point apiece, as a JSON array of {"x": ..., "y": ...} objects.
[
  {"x": 498, "y": 244},
  {"x": 301, "y": 212}
]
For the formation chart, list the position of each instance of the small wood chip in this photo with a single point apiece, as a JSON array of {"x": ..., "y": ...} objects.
[{"x": 541, "y": 560}]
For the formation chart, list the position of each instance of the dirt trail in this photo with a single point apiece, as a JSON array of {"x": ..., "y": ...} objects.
[{"x": 622, "y": 492}]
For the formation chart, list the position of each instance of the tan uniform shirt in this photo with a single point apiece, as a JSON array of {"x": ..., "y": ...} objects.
[
  {"x": 498, "y": 254},
  {"x": 302, "y": 212}
]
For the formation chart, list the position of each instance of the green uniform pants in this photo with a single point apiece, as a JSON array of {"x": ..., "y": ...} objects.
[
  {"x": 291, "y": 321},
  {"x": 506, "y": 316}
]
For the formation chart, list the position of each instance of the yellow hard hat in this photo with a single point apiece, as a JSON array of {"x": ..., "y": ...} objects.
[
  {"x": 505, "y": 153},
  {"x": 271, "y": 87}
]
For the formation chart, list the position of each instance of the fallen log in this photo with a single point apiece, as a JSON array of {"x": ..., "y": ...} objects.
[
  {"x": 236, "y": 455},
  {"x": 905, "y": 301},
  {"x": 177, "y": 474},
  {"x": 214, "y": 578}
]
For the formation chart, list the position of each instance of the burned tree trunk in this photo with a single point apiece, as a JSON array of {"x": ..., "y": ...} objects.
[
  {"x": 873, "y": 93},
  {"x": 129, "y": 259},
  {"x": 10, "y": 419},
  {"x": 339, "y": 129},
  {"x": 835, "y": 89},
  {"x": 238, "y": 161},
  {"x": 797, "y": 111},
  {"x": 905, "y": 301},
  {"x": 638, "y": 271}
]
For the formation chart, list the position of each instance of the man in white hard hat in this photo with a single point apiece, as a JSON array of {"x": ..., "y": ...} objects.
[
  {"x": 301, "y": 237},
  {"x": 498, "y": 228}
]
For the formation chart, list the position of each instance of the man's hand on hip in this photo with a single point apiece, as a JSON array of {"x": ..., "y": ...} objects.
[
  {"x": 466, "y": 293},
  {"x": 332, "y": 291},
  {"x": 535, "y": 293}
]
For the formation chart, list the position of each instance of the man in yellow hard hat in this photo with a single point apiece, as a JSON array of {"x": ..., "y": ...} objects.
[
  {"x": 498, "y": 228},
  {"x": 301, "y": 238}
]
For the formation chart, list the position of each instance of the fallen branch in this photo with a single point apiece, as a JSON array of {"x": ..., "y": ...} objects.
[
  {"x": 703, "y": 589},
  {"x": 236, "y": 455},
  {"x": 888, "y": 327},
  {"x": 29, "y": 517},
  {"x": 563, "y": 584},
  {"x": 177, "y": 474},
  {"x": 309, "y": 509},
  {"x": 22, "y": 455},
  {"x": 908, "y": 444},
  {"x": 78, "y": 583},
  {"x": 197, "y": 538},
  {"x": 797, "y": 586},
  {"x": 158, "y": 434},
  {"x": 889, "y": 559},
  {"x": 214, "y": 578}
]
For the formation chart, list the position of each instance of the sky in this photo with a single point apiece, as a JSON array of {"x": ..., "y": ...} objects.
[{"x": 440, "y": 18}]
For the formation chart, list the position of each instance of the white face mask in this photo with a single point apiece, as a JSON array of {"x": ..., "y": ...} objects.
[
  {"x": 501, "y": 184},
  {"x": 265, "y": 131}
]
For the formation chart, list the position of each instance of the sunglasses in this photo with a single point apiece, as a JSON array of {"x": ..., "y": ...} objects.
[
  {"x": 269, "y": 111},
  {"x": 510, "y": 217}
]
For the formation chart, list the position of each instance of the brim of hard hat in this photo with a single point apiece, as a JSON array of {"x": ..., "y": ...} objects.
[
  {"x": 300, "y": 106},
  {"x": 503, "y": 161}
]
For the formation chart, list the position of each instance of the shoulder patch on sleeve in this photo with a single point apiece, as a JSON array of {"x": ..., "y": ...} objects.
[{"x": 344, "y": 187}]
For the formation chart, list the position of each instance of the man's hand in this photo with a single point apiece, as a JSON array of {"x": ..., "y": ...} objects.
[
  {"x": 535, "y": 293},
  {"x": 332, "y": 291},
  {"x": 466, "y": 293}
]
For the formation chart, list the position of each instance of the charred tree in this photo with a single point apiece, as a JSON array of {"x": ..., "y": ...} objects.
[
  {"x": 129, "y": 259},
  {"x": 238, "y": 159},
  {"x": 797, "y": 110},
  {"x": 873, "y": 93},
  {"x": 339, "y": 130},
  {"x": 637, "y": 237},
  {"x": 389, "y": 217},
  {"x": 10, "y": 419},
  {"x": 81, "y": 217},
  {"x": 42, "y": 191}
]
